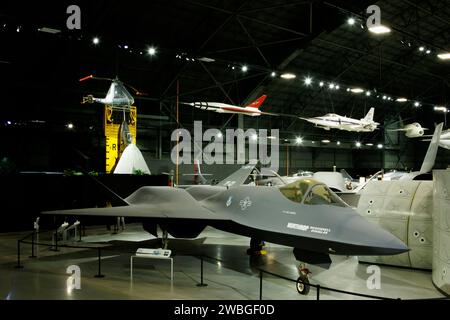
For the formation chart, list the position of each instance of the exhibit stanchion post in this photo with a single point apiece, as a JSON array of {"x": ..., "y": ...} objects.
[
  {"x": 55, "y": 241},
  {"x": 19, "y": 266},
  {"x": 260, "y": 284},
  {"x": 99, "y": 275},
  {"x": 33, "y": 236},
  {"x": 201, "y": 284}
]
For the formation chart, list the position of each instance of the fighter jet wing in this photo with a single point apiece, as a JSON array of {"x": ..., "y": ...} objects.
[{"x": 151, "y": 202}]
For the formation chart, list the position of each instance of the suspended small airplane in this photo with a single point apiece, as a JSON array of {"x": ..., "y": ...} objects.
[
  {"x": 444, "y": 141},
  {"x": 250, "y": 110},
  {"x": 305, "y": 215},
  {"x": 335, "y": 121},
  {"x": 413, "y": 130}
]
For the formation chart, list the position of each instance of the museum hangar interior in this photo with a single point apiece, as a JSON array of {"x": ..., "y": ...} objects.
[{"x": 349, "y": 98}]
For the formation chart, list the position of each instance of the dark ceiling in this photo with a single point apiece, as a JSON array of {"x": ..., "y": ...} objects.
[{"x": 40, "y": 71}]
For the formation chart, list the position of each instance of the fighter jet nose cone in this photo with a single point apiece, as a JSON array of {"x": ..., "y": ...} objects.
[
  {"x": 372, "y": 240},
  {"x": 385, "y": 243}
]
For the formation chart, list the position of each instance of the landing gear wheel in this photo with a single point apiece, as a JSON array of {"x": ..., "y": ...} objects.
[{"x": 303, "y": 285}]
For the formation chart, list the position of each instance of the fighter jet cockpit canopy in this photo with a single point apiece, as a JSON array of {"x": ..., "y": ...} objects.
[{"x": 311, "y": 192}]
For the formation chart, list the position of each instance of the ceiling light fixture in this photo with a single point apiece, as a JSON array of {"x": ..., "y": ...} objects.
[
  {"x": 444, "y": 56},
  {"x": 96, "y": 41},
  {"x": 244, "y": 68},
  {"x": 351, "y": 21},
  {"x": 288, "y": 76},
  {"x": 357, "y": 90},
  {"x": 308, "y": 81},
  {"x": 402, "y": 100},
  {"x": 440, "y": 109},
  {"x": 380, "y": 29},
  {"x": 151, "y": 51}
]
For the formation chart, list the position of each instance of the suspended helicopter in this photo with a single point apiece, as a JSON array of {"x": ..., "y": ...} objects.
[{"x": 119, "y": 98}]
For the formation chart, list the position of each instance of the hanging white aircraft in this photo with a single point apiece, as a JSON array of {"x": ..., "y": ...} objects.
[
  {"x": 335, "y": 121},
  {"x": 251, "y": 110},
  {"x": 444, "y": 141},
  {"x": 413, "y": 130}
]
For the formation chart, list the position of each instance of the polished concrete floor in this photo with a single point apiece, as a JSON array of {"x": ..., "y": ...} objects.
[{"x": 233, "y": 276}]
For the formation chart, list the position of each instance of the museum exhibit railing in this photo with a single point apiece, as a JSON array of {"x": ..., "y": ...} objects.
[{"x": 31, "y": 239}]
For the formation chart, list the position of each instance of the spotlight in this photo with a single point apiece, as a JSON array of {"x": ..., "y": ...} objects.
[
  {"x": 273, "y": 74},
  {"x": 380, "y": 29},
  {"x": 96, "y": 41},
  {"x": 337, "y": 87},
  {"x": 219, "y": 135},
  {"x": 402, "y": 100},
  {"x": 357, "y": 90},
  {"x": 288, "y": 76},
  {"x": 125, "y": 47},
  {"x": 70, "y": 126},
  {"x": 380, "y": 146},
  {"x": 351, "y": 21},
  {"x": 151, "y": 51},
  {"x": 428, "y": 51},
  {"x": 308, "y": 81},
  {"x": 384, "y": 97},
  {"x": 326, "y": 141},
  {"x": 321, "y": 84},
  {"x": 338, "y": 143},
  {"x": 358, "y": 144},
  {"x": 244, "y": 68},
  {"x": 444, "y": 56},
  {"x": 299, "y": 140},
  {"x": 421, "y": 49},
  {"x": 368, "y": 93},
  {"x": 417, "y": 104},
  {"x": 331, "y": 86},
  {"x": 440, "y": 108}
]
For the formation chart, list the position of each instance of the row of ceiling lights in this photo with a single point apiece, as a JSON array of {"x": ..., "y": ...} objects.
[
  {"x": 308, "y": 81},
  {"x": 299, "y": 141},
  {"x": 382, "y": 29}
]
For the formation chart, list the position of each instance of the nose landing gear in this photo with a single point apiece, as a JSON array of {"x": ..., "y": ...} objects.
[{"x": 303, "y": 286}]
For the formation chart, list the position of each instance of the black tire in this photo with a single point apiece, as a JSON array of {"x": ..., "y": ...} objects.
[{"x": 303, "y": 285}]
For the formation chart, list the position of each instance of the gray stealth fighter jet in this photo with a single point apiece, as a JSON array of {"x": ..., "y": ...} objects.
[{"x": 305, "y": 215}]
